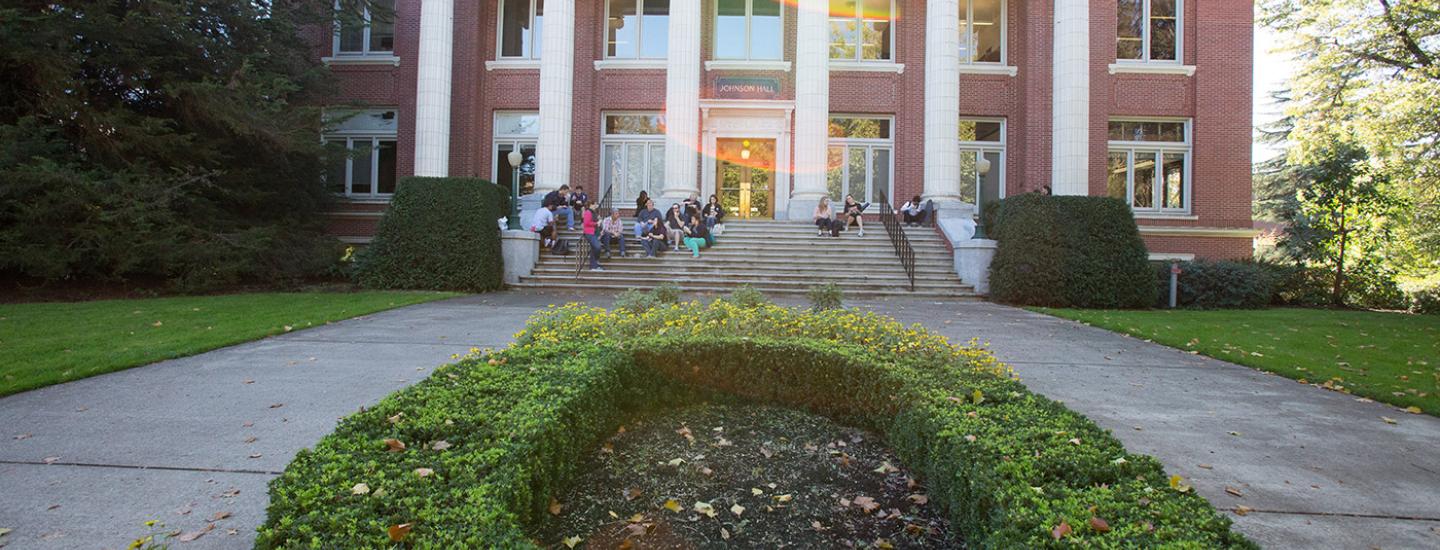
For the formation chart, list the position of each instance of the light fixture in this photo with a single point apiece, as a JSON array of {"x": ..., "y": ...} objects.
[
  {"x": 982, "y": 165},
  {"x": 515, "y": 159},
  {"x": 745, "y": 153}
]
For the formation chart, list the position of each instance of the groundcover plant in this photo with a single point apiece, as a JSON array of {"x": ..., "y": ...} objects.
[{"x": 474, "y": 455}]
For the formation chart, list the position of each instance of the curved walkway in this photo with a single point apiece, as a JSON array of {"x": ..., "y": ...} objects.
[{"x": 84, "y": 464}]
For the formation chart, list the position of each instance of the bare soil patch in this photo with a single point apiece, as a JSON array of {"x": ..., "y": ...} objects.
[{"x": 743, "y": 476}]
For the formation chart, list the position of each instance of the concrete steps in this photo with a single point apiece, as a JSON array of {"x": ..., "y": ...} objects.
[{"x": 772, "y": 256}]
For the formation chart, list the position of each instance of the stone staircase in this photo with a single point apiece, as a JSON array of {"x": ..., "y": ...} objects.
[{"x": 775, "y": 257}]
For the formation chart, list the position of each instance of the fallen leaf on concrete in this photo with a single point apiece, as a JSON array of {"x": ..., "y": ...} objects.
[
  {"x": 192, "y": 535},
  {"x": 277, "y": 405},
  {"x": 219, "y": 516},
  {"x": 50, "y": 459},
  {"x": 22, "y": 436},
  {"x": 1206, "y": 466},
  {"x": 256, "y": 455},
  {"x": 1242, "y": 510},
  {"x": 1413, "y": 410},
  {"x": 1388, "y": 420},
  {"x": 227, "y": 494},
  {"x": 1234, "y": 492},
  {"x": 250, "y": 439}
]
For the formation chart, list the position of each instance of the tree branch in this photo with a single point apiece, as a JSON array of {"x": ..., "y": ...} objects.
[{"x": 1404, "y": 34}]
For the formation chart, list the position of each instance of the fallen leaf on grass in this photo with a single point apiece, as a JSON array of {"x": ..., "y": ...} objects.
[
  {"x": 676, "y": 462},
  {"x": 886, "y": 468},
  {"x": 554, "y": 507},
  {"x": 919, "y": 500},
  {"x": 1178, "y": 483},
  {"x": 632, "y": 493},
  {"x": 424, "y": 472},
  {"x": 672, "y": 505},
  {"x": 440, "y": 445},
  {"x": 782, "y": 498},
  {"x": 1099, "y": 525},
  {"x": 399, "y": 532},
  {"x": 767, "y": 452},
  {"x": 360, "y": 489},
  {"x": 394, "y": 445},
  {"x": 685, "y": 431},
  {"x": 883, "y": 544},
  {"x": 756, "y": 491},
  {"x": 1061, "y": 531},
  {"x": 724, "y": 533}
]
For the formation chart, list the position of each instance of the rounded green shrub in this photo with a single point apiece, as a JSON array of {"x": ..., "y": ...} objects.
[
  {"x": 438, "y": 234},
  {"x": 826, "y": 296},
  {"x": 471, "y": 456},
  {"x": 1217, "y": 284},
  {"x": 1069, "y": 252}
]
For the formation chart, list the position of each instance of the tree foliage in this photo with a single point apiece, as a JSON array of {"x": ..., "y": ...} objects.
[
  {"x": 1367, "y": 85},
  {"x": 160, "y": 139}
]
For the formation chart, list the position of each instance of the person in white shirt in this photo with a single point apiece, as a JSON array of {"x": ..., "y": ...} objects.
[
  {"x": 543, "y": 222},
  {"x": 914, "y": 211}
]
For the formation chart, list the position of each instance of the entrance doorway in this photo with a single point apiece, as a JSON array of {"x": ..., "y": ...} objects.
[{"x": 745, "y": 177}]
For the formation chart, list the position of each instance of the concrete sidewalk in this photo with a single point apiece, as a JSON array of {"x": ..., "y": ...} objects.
[
  {"x": 84, "y": 464},
  {"x": 1320, "y": 469}
]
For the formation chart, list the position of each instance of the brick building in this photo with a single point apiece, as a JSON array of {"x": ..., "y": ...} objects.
[{"x": 773, "y": 104}]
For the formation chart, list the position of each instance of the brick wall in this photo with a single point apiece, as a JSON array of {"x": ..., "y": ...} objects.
[{"x": 1217, "y": 39}]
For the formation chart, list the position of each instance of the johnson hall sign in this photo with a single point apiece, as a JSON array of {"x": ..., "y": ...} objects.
[{"x": 731, "y": 87}]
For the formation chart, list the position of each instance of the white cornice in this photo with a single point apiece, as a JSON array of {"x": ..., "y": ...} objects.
[
  {"x": 870, "y": 67},
  {"x": 631, "y": 64},
  {"x": 742, "y": 65},
  {"x": 979, "y": 68},
  {"x": 1152, "y": 68},
  {"x": 507, "y": 64},
  {"x": 348, "y": 60},
  {"x": 1164, "y": 231}
]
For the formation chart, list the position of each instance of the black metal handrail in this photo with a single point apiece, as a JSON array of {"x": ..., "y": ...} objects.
[
  {"x": 583, "y": 248},
  {"x": 898, "y": 239}
]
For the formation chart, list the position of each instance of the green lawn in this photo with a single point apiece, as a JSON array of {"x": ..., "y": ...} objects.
[
  {"x": 1389, "y": 357},
  {"x": 49, "y": 343}
]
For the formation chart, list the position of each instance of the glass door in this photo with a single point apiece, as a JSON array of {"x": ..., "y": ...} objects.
[{"x": 745, "y": 177}]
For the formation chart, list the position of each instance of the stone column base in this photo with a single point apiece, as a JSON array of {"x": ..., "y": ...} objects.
[
  {"x": 972, "y": 262},
  {"x": 520, "y": 250},
  {"x": 801, "y": 209}
]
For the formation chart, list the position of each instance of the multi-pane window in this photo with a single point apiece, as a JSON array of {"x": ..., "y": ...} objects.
[
  {"x": 370, "y": 32},
  {"x": 516, "y": 131},
  {"x": 632, "y": 155},
  {"x": 362, "y": 152},
  {"x": 519, "y": 34},
  {"x": 860, "y": 30},
  {"x": 748, "y": 30},
  {"x": 1149, "y": 30},
  {"x": 982, "y": 139},
  {"x": 637, "y": 29},
  {"x": 1149, "y": 165},
  {"x": 982, "y": 31},
  {"x": 859, "y": 160}
]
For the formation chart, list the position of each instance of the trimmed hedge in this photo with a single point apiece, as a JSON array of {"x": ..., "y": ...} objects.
[
  {"x": 1207, "y": 284},
  {"x": 1069, "y": 252},
  {"x": 438, "y": 234},
  {"x": 1007, "y": 465}
]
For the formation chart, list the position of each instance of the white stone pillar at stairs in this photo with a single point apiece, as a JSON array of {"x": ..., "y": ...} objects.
[
  {"x": 812, "y": 107},
  {"x": 942, "y": 108},
  {"x": 682, "y": 103},
  {"x": 1070, "y": 100},
  {"x": 557, "y": 91},
  {"x": 432, "y": 88}
]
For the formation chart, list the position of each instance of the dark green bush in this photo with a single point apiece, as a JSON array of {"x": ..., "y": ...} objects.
[
  {"x": 667, "y": 293},
  {"x": 635, "y": 301},
  {"x": 1224, "y": 284},
  {"x": 1295, "y": 283},
  {"x": 1007, "y": 465},
  {"x": 438, "y": 234},
  {"x": 1069, "y": 252},
  {"x": 1424, "y": 298},
  {"x": 746, "y": 296},
  {"x": 826, "y": 296}
]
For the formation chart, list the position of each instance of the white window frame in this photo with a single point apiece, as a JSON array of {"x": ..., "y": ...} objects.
[
  {"x": 982, "y": 147},
  {"x": 749, "y": 15},
  {"x": 968, "y": 12},
  {"x": 1158, "y": 150},
  {"x": 623, "y": 140},
  {"x": 374, "y": 138},
  {"x": 639, "y": 33},
  {"x": 1145, "y": 56},
  {"x": 533, "y": 55},
  {"x": 859, "y": 20},
  {"x": 870, "y": 145},
  {"x": 365, "y": 40},
  {"x": 516, "y": 141}
]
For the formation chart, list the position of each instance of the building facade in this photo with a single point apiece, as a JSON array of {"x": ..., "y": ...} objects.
[{"x": 773, "y": 104}]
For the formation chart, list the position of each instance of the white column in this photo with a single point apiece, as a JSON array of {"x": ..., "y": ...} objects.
[
  {"x": 1070, "y": 137},
  {"x": 432, "y": 88},
  {"x": 812, "y": 106},
  {"x": 682, "y": 102},
  {"x": 557, "y": 91},
  {"x": 942, "y": 105}
]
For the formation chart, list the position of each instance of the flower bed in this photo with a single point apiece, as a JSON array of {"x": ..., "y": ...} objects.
[{"x": 489, "y": 440}]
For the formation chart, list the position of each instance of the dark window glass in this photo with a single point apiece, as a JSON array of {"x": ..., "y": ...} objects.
[
  {"x": 385, "y": 174},
  {"x": 1130, "y": 33}
]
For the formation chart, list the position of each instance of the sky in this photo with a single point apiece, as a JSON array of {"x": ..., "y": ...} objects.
[{"x": 1271, "y": 71}]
